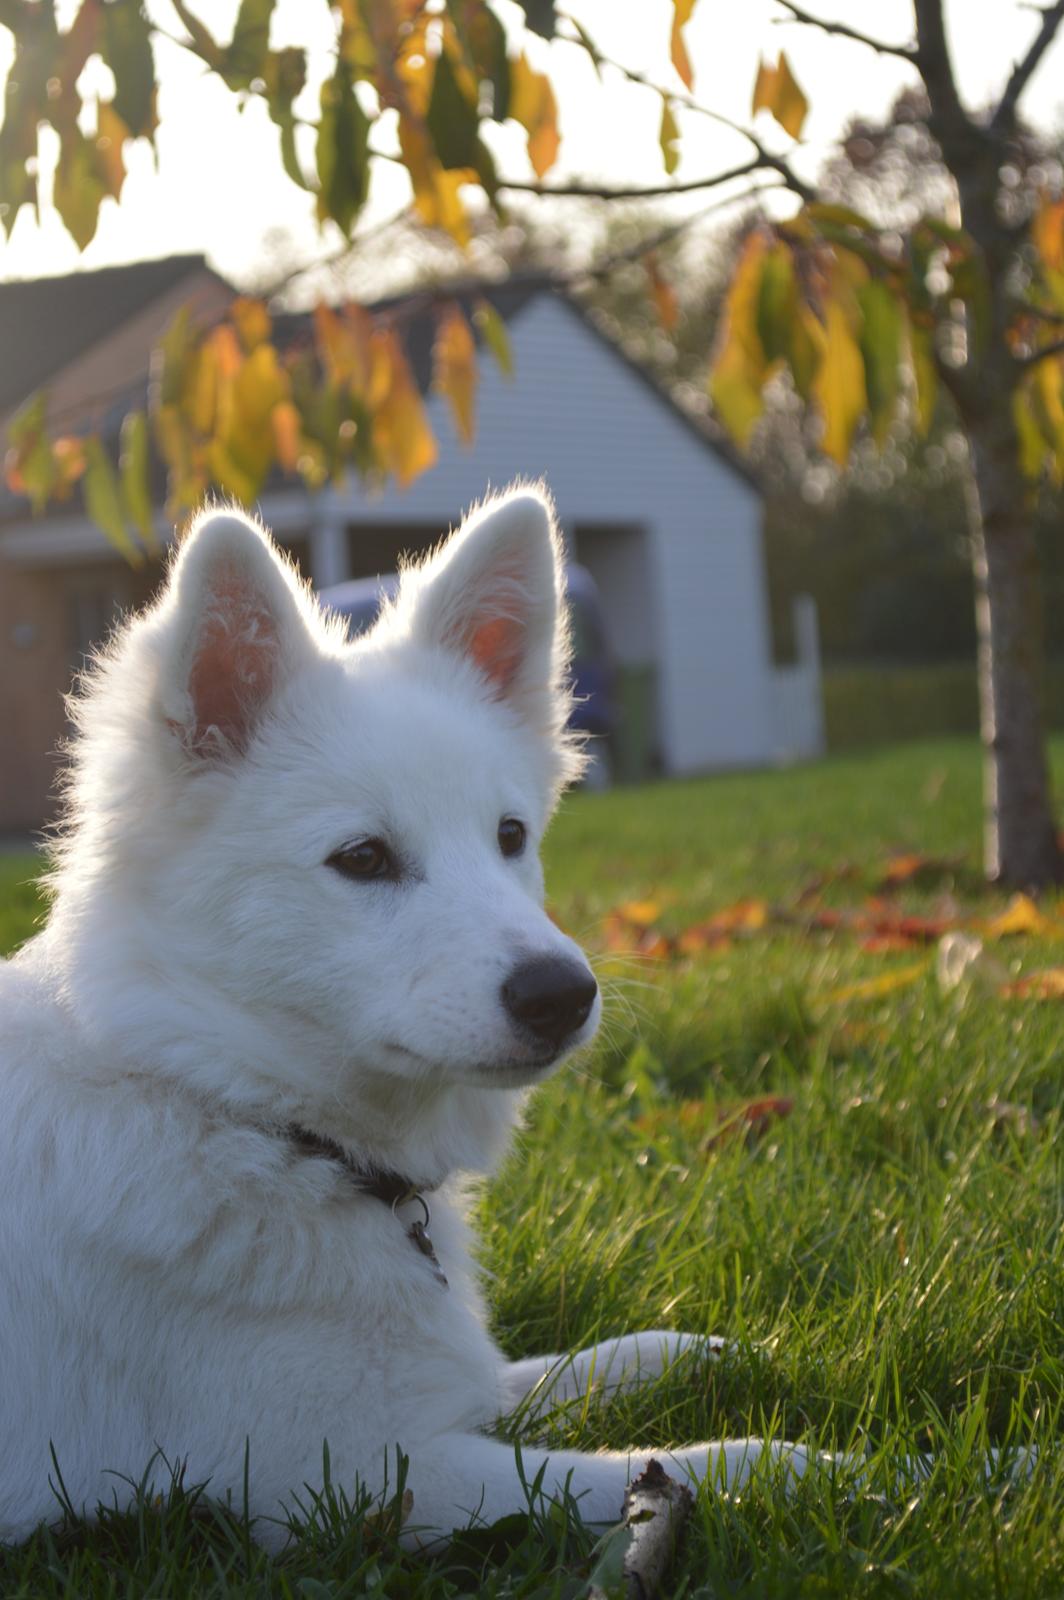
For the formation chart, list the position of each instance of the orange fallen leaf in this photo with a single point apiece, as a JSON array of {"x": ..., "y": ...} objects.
[
  {"x": 883, "y": 943},
  {"x": 747, "y": 915},
  {"x": 1045, "y": 985},
  {"x": 702, "y": 936},
  {"x": 912, "y": 865},
  {"x": 640, "y": 912}
]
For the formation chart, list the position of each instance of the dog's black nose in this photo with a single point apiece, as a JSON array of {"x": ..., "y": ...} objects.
[{"x": 550, "y": 996}]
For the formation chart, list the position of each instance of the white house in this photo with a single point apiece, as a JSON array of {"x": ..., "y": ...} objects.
[{"x": 666, "y": 521}]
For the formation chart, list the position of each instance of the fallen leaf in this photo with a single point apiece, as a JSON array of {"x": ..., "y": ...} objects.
[
  {"x": 915, "y": 867},
  {"x": 1045, "y": 985},
  {"x": 873, "y": 988},
  {"x": 640, "y": 912},
  {"x": 1021, "y": 915}
]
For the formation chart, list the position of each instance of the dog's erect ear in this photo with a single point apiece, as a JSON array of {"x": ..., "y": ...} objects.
[
  {"x": 493, "y": 593},
  {"x": 235, "y": 630}
]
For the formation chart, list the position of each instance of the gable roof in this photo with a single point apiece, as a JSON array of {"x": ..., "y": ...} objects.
[
  {"x": 45, "y": 323},
  {"x": 416, "y": 310}
]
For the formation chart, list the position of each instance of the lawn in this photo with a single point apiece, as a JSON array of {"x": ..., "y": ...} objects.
[{"x": 791, "y": 1133}]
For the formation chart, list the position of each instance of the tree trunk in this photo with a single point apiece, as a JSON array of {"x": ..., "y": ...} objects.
[{"x": 1020, "y": 837}]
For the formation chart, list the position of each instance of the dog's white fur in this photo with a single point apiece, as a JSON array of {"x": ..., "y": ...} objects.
[{"x": 175, "y": 1274}]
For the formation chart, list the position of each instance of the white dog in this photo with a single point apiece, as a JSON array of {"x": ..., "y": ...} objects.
[{"x": 295, "y": 977}]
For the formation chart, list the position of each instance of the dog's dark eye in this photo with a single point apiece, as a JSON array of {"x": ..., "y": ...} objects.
[
  {"x": 365, "y": 859},
  {"x": 511, "y": 836}
]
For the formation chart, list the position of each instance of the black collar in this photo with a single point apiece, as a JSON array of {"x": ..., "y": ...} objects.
[{"x": 391, "y": 1188}]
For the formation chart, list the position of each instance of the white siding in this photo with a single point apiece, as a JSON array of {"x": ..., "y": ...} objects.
[{"x": 614, "y": 452}]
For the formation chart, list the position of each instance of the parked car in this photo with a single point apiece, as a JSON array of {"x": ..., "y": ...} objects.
[{"x": 595, "y": 708}]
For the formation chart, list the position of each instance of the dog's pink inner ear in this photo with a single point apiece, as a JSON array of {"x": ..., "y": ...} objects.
[
  {"x": 234, "y": 663},
  {"x": 496, "y": 645}
]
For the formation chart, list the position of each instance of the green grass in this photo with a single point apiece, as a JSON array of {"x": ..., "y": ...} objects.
[{"x": 889, "y": 1258}]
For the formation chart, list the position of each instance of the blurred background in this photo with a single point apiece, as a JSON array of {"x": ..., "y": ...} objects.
[{"x": 740, "y": 601}]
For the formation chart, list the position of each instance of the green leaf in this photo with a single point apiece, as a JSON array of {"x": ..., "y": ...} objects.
[
  {"x": 777, "y": 303},
  {"x": 540, "y": 16},
  {"x": 31, "y": 467},
  {"x": 841, "y": 216},
  {"x": 452, "y": 120},
  {"x": 37, "y": 48},
  {"x": 343, "y": 151},
  {"x": 483, "y": 40},
  {"x": 1029, "y": 437},
  {"x": 925, "y": 375},
  {"x": 245, "y": 56},
  {"x": 135, "y": 466},
  {"x": 286, "y": 74},
  {"x": 880, "y": 341},
  {"x": 972, "y": 284},
  {"x": 492, "y": 330},
  {"x": 589, "y": 45},
  {"x": 172, "y": 354},
  {"x": 669, "y": 137},
  {"x": 204, "y": 43},
  {"x": 103, "y": 501},
  {"x": 127, "y": 51},
  {"x": 78, "y": 188},
  {"x": 609, "y": 1556}
]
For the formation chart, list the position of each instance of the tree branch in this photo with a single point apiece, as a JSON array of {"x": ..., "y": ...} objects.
[
  {"x": 1005, "y": 115},
  {"x": 579, "y": 190},
  {"x": 950, "y": 122},
  {"x": 1056, "y": 348},
  {"x": 765, "y": 158},
  {"x": 798, "y": 14}
]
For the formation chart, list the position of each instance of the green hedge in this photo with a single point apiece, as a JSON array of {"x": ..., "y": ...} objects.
[{"x": 866, "y": 705}]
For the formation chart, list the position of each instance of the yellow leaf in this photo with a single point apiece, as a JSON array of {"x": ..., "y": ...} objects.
[
  {"x": 777, "y": 90},
  {"x": 401, "y": 432},
  {"x": 681, "y": 16},
  {"x": 454, "y": 369},
  {"x": 738, "y": 371},
  {"x": 874, "y": 988},
  {"x": 532, "y": 104},
  {"x": 1047, "y": 233},
  {"x": 839, "y": 386},
  {"x": 1032, "y": 446},
  {"x": 111, "y": 134},
  {"x": 436, "y": 197},
  {"x": 669, "y": 138},
  {"x": 640, "y": 912},
  {"x": 1021, "y": 915},
  {"x": 251, "y": 320},
  {"x": 493, "y": 332},
  {"x": 414, "y": 68},
  {"x": 343, "y": 342}
]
